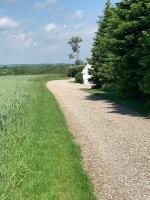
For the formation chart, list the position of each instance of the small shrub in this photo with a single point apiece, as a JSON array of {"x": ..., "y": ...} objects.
[
  {"x": 79, "y": 77},
  {"x": 109, "y": 87},
  {"x": 72, "y": 71}
]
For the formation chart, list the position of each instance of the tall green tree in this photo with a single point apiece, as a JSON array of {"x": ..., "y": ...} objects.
[
  {"x": 101, "y": 67},
  {"x": 74, "y": 43},
  {"x": 142, "y": 52},
  {"x": 144, "y": 60},
  {"x": 121, "y": 49},
  {"x": 130, "y": 46}
]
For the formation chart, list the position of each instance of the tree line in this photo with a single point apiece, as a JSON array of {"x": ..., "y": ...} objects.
[
  {"x": 121, "y": 49},
  {"x": 35, "y": 69}
]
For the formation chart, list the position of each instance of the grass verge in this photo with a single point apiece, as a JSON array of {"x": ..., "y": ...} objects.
[
  {"x": 135, "y": 105},
  {"x": 39, "y": 159}
]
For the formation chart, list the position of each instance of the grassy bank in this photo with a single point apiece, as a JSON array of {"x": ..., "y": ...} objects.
[
  {"x": 39, "y": 159},
  {"x": 135, "y": 105}
]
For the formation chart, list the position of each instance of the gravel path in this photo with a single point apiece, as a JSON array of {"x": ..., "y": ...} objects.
[{"x": 115, "y": 142}]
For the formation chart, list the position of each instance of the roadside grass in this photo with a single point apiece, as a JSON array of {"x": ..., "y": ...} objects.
[
  {"x": 39, "y": 158},
  {"x": 135, "y": 105}
]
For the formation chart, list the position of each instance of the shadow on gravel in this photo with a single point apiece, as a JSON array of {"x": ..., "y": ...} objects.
[
  {"x": 116, "y": 107},
  {"x": 72, "y": 81}
]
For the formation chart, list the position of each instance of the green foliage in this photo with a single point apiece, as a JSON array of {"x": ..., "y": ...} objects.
[
  {"x": 127, "y": 48},
  {"x": 121, "y": 49},
  {"x": 145, "y": 84},
  {"x": 39, "y": 159},
  {"x": 79, "y": 77},
  {"x": 78, "y": 62},
  {"x": 109, "y": 87},
  {"x": 34, "y": 69},
  {"x": 101, "y": 56},
  {"x": 144, "y": 61},
  {"x": 74, "y": 43},
  {"x": 72, "y": 71}
]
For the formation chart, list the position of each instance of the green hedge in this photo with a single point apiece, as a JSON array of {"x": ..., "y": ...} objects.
[{"x": 79, "y": 77}]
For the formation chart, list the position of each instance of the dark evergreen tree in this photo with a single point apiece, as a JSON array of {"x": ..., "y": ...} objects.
[
  {"x": 142, "y": 52},
  {"x": 101, "y": 71},
  {"x": 121, "y": 49},
  {"x": 127, "y": 45}
]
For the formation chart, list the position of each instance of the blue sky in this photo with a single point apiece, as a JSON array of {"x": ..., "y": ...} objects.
[{"x": 37, "y": 31}]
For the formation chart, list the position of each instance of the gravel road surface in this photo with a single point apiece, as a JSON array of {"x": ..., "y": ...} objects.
[{"x": 115, "y": 142}]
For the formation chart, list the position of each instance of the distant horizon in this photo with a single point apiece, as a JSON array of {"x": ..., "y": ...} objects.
[
  {"x": 37, "y": 64},
  {"x": 18, "y": 64}
]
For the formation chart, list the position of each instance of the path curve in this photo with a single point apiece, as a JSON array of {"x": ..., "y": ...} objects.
[{"x": 115, "y": 142}]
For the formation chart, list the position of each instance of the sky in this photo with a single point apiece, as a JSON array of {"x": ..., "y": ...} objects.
[{"x": 37, "y": 31}]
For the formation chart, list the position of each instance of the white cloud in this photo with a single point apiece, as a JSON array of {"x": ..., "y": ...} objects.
[
  {"x": 41, "y": 5},
  {"x": 7, "y": 22},
  {"x": 55, "y": 33},
  {"x": 18, "y": 38},
  {"x": 9, "y": 1},
  {"x": 24, "y": 39},
  {"x": 64, "y": 26},
  {"x": 50, "y": 39},
  {"x": 79, "y": 14},
  {"x": 58, "y": 10},
  {"x": 50, "y": 34},
  {"x": 50, "y": 27}
]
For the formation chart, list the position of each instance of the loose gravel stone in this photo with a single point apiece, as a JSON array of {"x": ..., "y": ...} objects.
[{"x": 115, "y": 142}]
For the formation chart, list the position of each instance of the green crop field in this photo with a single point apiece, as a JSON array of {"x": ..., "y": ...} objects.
[{"x": 38, "y": 157}]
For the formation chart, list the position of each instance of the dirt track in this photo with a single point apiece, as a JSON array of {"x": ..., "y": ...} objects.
[{"x": 115, "y": 142}]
